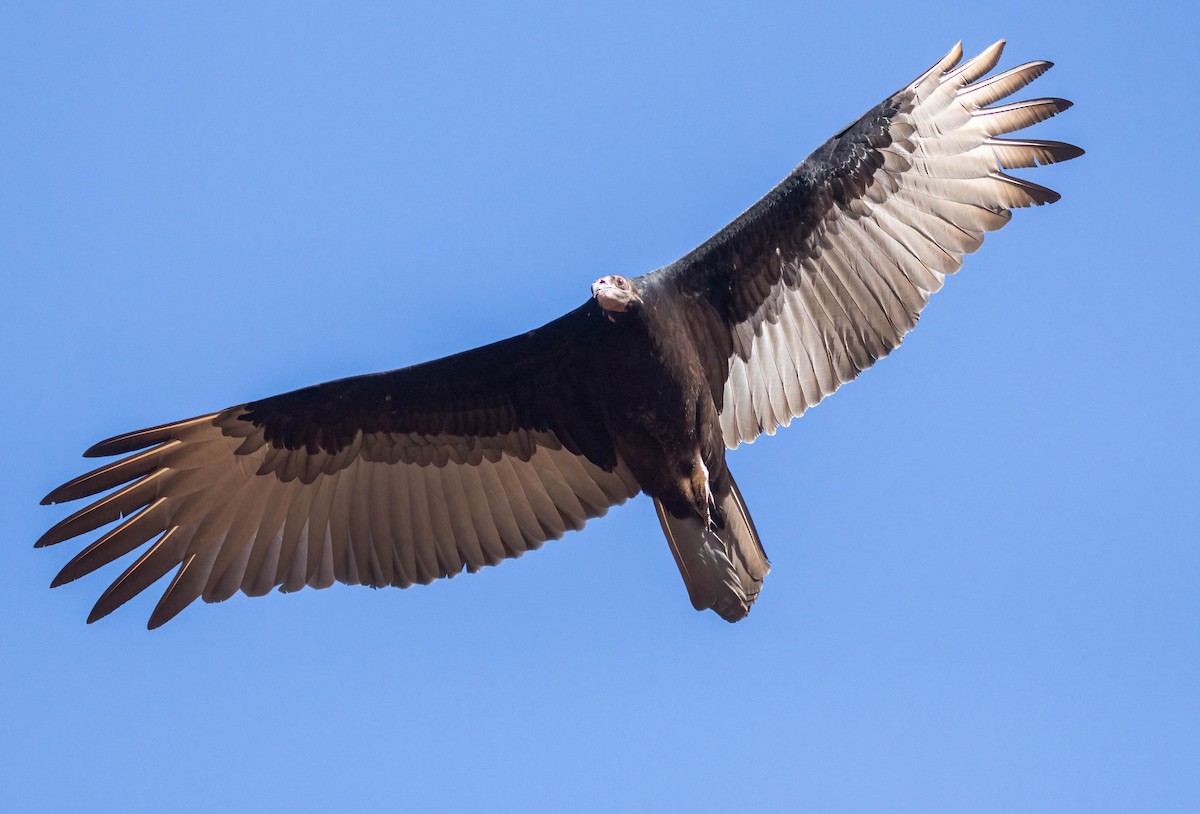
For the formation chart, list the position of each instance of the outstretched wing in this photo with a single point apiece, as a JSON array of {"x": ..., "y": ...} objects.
[
  {"x": 829, "y": 271},
  {"x": 378, "y": 480}
]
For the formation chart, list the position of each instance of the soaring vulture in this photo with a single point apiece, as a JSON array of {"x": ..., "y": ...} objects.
[{"x": 415, "y": 474}]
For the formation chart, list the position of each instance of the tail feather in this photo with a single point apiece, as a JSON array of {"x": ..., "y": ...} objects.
[{"x": 722, "y": 569}]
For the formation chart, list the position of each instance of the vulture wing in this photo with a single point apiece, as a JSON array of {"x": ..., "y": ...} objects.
[
  {"x": 387, "y": 479},
  {"x": 830, "y": 270}
]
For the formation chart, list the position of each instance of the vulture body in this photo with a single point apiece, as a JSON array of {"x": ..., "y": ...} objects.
[{"x": 408, "y": 476}]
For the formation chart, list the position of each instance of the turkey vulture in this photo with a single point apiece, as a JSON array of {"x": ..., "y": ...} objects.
[{"x": 415, "y": 474}]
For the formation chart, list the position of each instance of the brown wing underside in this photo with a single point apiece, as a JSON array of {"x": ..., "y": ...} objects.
[
  {"x": 828, "y": 272},
  {"x": 393, "y": 479}
]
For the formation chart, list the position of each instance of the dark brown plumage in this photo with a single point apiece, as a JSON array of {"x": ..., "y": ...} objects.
[{"x": 416, "y": 474}]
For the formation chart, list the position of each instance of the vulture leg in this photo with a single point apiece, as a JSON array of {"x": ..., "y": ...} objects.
[
  {"x": 698, "y": 488},
  {"x": 723, "y": 568}
]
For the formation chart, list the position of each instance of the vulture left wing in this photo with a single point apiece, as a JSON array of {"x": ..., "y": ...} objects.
[
  {"x": 388, "y": 479},
  {"x": 828, "y": 272}
]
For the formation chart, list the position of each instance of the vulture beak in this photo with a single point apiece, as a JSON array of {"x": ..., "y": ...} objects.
[{"x": 609, "y": 285}]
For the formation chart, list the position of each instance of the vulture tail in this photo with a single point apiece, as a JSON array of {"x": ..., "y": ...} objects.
[{"x": 723, "y": 569}]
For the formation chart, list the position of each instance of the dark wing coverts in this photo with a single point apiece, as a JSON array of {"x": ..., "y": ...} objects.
[
  {"x": 828, "y": 272},
  {"x": 388, "y": 479}
]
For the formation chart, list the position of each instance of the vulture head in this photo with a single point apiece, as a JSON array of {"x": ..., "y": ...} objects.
[{"x": 615, "y": 294}]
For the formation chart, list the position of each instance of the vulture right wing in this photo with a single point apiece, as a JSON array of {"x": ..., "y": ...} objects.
[
  {"x": 389, "y": 479},
  {"x": 828, "y": 272}
]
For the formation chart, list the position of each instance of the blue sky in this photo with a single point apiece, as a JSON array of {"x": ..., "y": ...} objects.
[{"x": 984, "y": 594}]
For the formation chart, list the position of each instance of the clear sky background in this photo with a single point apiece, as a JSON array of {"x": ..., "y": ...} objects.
[{"x": 986, "y": 585}]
